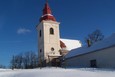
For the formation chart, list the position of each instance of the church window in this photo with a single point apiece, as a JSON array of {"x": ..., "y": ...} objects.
[
  {"x": 51, "y": 31},
  {"x": 40, "y": 34},
  {"x": 40, "y": 50},
  {"x": 52, "y": 49}
]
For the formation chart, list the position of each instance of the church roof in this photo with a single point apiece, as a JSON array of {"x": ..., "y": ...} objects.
[
  {"x": 70, "y": 44},
  {"x": 106, "y": 43},
  {"x": 62, "y": 44},
  {"x": 47, "y": 13}
]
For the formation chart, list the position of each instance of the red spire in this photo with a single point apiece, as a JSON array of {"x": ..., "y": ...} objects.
[{"x": 47, "y": 14}]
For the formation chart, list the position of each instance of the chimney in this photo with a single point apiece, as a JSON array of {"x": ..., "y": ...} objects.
[{"x": 88, "y": 42}]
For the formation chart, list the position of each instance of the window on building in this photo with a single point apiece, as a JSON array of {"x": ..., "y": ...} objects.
[
  {"x": 52, "y": 49},
  {"x": 51, "y": 31},
  {"x": 40, "y": 50},
  {"x": 93, "y": 63},
  {"x": 40, "y": 34}
]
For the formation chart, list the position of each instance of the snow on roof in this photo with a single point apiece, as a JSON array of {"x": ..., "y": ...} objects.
[
  {"x": 71, "y": 44},
  {"x": 108, "y": 42}
]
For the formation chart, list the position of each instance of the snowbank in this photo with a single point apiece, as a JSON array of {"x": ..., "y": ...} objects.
[{"x": 58, "y": 72}]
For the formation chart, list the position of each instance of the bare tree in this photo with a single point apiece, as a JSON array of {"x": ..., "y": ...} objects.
[
  {"x": 94, "y": 37},
  {"x": 19, "y": 61},
  {"x": 2, "y": 66},
  {"x": 27, "y": 60},
  {"x": 13, "y": 62},
  {"x": 16, "y": 61}
]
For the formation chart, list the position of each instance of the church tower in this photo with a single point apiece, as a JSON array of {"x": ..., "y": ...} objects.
[{"x": 48, "y": 38}]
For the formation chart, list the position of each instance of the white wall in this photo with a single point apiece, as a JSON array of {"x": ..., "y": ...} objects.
[
  {"x": 51, "y": 40},
  {"x": 47, "y": 41},
  {"x": 40, "y": 41},
  {"x": 105, "y": 59}
]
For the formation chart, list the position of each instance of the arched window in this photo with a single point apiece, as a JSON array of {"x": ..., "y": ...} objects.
[
  {"x": 40, "y": 34},
  {"x": 51, "y": 31}
]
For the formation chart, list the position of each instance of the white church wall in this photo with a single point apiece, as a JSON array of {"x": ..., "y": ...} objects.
[
  {"x": 104, "y": 59},
  {"x": 51, "y": 41},
  {"x": 47, "y": 40},
  {"x": 40, "y": 41}
]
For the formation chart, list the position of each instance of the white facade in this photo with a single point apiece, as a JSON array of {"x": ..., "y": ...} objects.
[
  {"x": 104, "y": 59},
  {"x": 48, "y": 43}
]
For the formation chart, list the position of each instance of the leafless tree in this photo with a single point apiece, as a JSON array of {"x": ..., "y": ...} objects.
[
  {"x": 94, "y": 37},
  {"x": 2, "y": 66},
  {"x": 27, "y": 60}
]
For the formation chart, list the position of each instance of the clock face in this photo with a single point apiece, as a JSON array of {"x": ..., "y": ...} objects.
[{"x": 52, "y": 49}]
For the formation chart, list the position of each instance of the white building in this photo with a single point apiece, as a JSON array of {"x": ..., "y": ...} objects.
[
  {"x": 50, "y": 46},
  {"x": 101, "y": 55}
]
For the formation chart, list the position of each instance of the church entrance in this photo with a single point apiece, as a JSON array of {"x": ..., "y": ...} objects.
[{"x": 55, "y": 62}]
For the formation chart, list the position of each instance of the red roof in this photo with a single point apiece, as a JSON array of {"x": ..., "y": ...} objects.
[
  {"x": 62, "y": 45},
  {"x": 47, "y": 13}
]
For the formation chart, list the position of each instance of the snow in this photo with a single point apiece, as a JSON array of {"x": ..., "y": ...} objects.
[
  {"x": 108, "y": 42},
  {"x": 71, "y": 44},
  {"x": 58, "y": 72}
]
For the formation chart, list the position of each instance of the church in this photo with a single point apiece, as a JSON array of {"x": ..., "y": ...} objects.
[
  {"x": 55, "y": 51},
  {"x": 51, "y": 47}
]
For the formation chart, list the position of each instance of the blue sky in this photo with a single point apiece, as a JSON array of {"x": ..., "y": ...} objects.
[{"x": 18, "y": 20}]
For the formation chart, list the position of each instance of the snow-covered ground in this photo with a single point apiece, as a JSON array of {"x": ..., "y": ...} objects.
[{"x": 57, "y": 72}]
